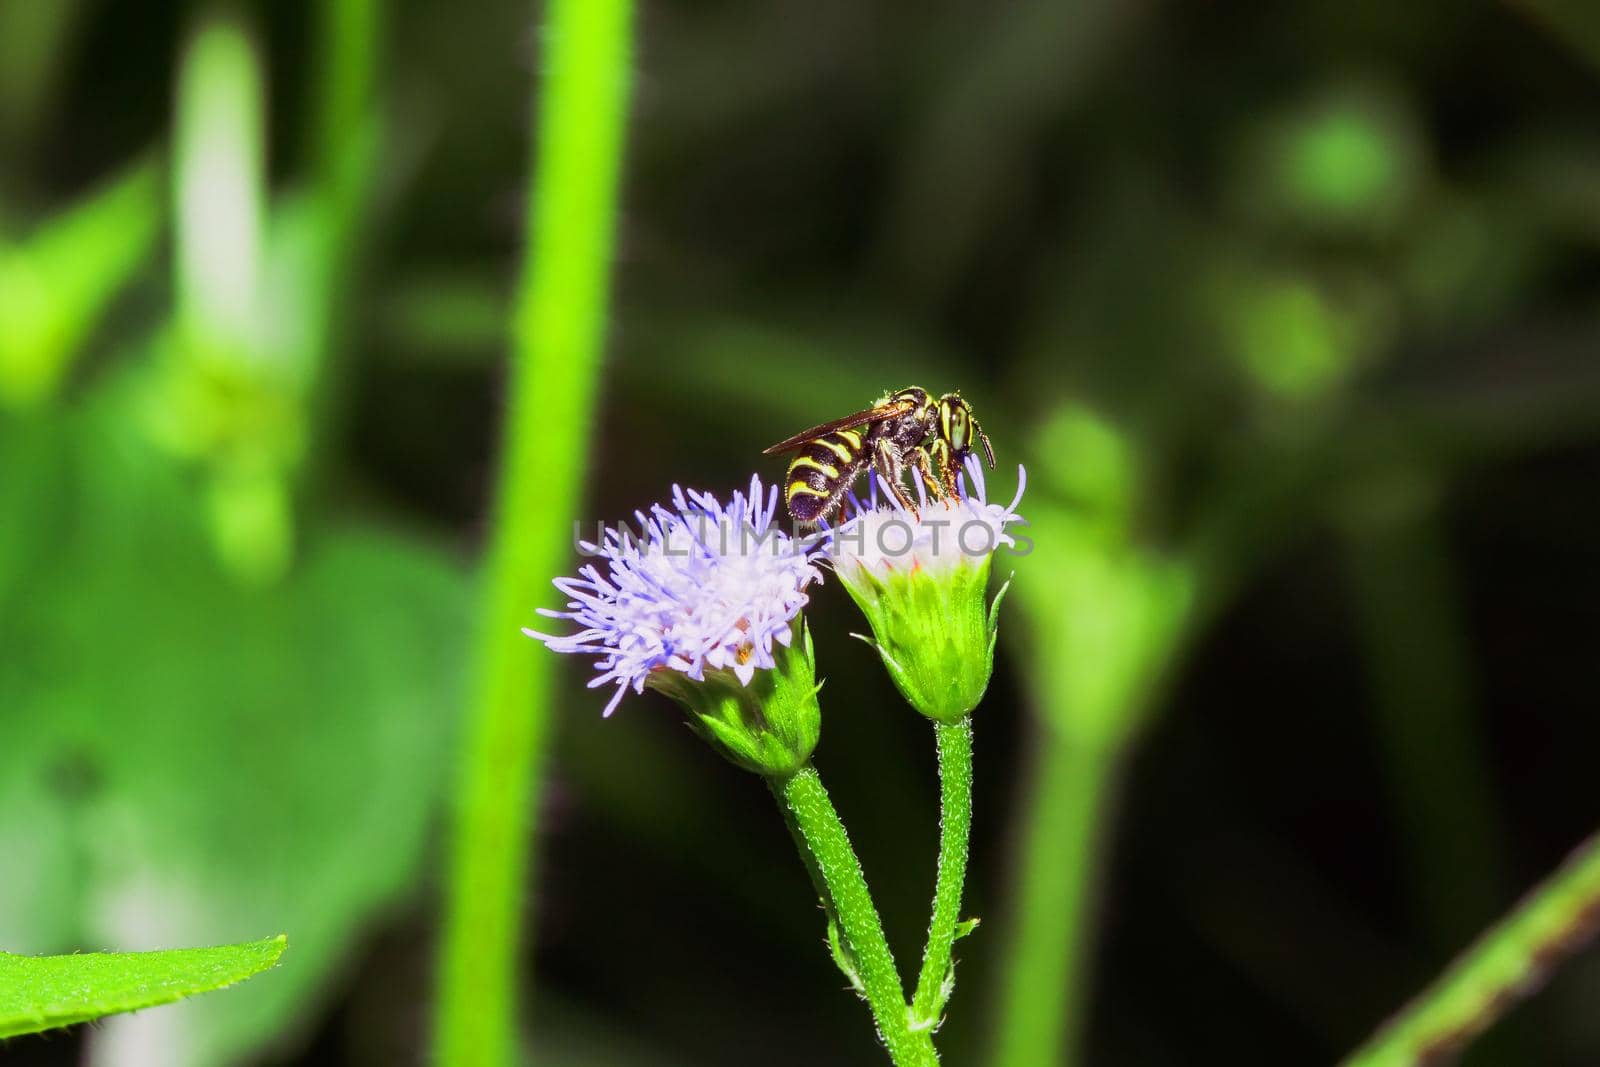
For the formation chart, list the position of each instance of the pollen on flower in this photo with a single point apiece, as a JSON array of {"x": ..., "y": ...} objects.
[{"x": 697, "y": 587}]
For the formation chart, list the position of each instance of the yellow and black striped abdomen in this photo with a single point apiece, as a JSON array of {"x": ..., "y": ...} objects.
[{"x": 822, "y": 472}]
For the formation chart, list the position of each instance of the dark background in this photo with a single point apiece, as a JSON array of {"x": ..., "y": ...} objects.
[{"x": 1329, "y": 270}]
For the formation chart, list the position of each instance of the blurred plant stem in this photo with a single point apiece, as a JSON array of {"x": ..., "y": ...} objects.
[
  {"x": 937, "y": 978},
  {"x": 1070, "y": 789},
  {"x": 228, "y": 394},
  {"x": 1103, "y": 618},
  {"x": 1424, "y": 712},
  {"x": 349, "y": 33},
  {"x": 1507, "y": 964},
  {"x": 833, "y": 860},
  {"x": 558, "y": 333},
  {"x": 263, "y": 285},
  {"x": 325, "y": 234}
]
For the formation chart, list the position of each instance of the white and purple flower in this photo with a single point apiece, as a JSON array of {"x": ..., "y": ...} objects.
[{"x": 697, "y": 587}]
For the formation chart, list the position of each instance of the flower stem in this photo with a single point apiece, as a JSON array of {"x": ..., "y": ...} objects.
[
  {"x": 1043, "y": 999},
  {"x": 1506, "y": 964},
  {"x": 558, "y": 332},
  {"x": 803, "y": 795},
  {"x": 843, "y": 955},
  {"x": 954, "y": 741}
]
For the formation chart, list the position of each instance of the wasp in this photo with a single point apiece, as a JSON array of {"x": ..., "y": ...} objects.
[{"x": 905, "y": 428}]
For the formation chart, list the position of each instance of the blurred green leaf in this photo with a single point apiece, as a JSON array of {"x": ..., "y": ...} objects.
[
  {"x": 44, "y": 992},
  {"x": 447, "y": 316},
  {"x": 1298, "y": 335},
  {"x": 1089, "y": 465},
  {"x": 1348, "y": 159},
  {"x": 262, "y": 288},
  {"x": 1105, "y": 614},
  {"x": 57, "y": 284},
  {"x": 206, "y": 757}
]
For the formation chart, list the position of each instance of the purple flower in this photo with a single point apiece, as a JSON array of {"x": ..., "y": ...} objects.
[{"x": 695, "y": 587}]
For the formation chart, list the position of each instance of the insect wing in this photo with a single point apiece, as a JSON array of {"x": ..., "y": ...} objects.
[{"x": 883, "y": 411}]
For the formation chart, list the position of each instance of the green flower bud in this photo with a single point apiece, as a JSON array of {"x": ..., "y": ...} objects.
[{"x": 921, "y": 579}]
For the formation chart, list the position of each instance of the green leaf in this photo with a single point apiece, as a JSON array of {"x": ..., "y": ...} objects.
[
  {"x": 44, "y": 992},
  {"x": 182, "y": 757},
  {"x": 57, "y": 285}
]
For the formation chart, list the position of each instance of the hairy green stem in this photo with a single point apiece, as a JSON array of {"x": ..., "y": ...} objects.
[
  {"x": 954, "y": 741},
  {"x": 843, "y": 955},
  {"x": 835, "y": 861},
  {"x": 1042, "y": 1001},
  {"x": 1506, "y": 964},
  {"x": 558, "y": 334}
]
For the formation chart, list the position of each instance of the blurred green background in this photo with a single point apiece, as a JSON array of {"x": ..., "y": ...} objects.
[{"x": 1292, "y": 310}]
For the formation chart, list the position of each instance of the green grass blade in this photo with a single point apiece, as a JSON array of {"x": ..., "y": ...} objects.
[{"x": 44, "y": 992}]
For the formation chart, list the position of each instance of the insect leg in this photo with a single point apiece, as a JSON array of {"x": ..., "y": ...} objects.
[
  {"x": 886, "y": 460},
  {"x": 944, "y": 462},
  {"x": 924, "y": 464}
]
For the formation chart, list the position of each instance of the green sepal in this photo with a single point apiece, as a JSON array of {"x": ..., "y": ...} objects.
[
  {"x": 933, "y": 631},
  {"x": 844, "y": 958},
  {"x": 769, "y": 726},
  {"x": 994, "y": 605},
  {"x": 947, "y": 985}
]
